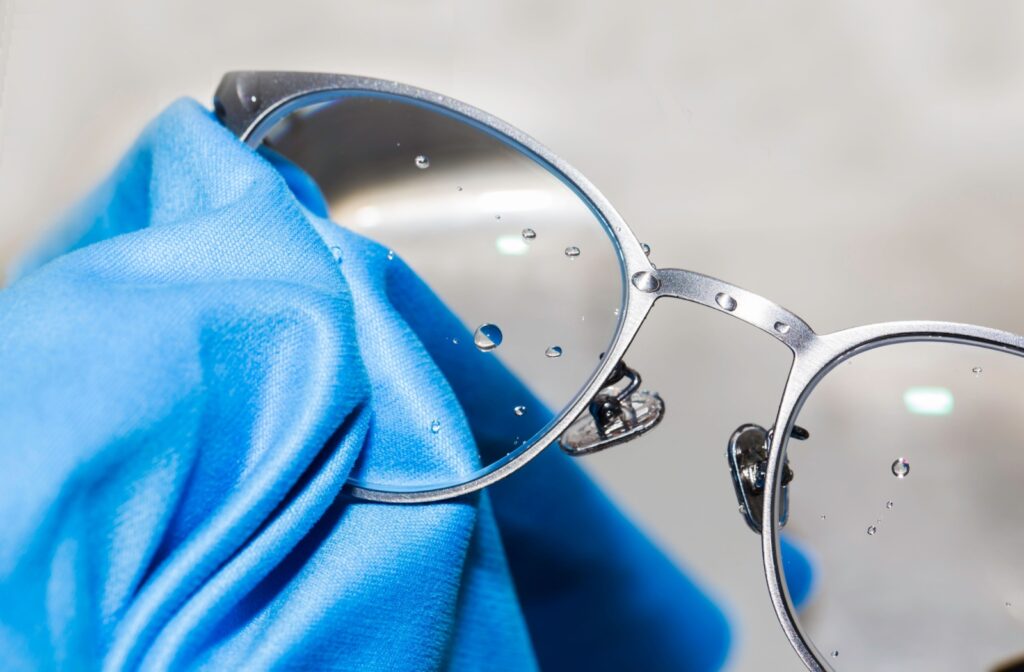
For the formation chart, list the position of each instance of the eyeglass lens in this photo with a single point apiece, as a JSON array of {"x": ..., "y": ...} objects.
[{"x": 528, "y": 283}]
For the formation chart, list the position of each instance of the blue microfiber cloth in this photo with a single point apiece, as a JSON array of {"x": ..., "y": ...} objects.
[{"x": 190, "y": 371}]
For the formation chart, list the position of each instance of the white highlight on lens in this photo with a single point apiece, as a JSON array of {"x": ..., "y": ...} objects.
[
  {"x": 514, "y": 200},
  {"x": 367, "y": 217},
  {"x": 511, "y": 245},
  {"x": 928, "y": 400}
]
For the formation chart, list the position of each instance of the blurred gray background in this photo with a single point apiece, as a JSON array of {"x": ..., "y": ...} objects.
[{"x": 855, "y": 162}]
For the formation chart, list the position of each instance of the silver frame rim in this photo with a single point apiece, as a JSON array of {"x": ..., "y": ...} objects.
[{"x": 250, "y": 103}]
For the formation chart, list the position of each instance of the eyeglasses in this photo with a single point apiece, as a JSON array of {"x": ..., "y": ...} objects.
[{"x": 544, "y": 287}]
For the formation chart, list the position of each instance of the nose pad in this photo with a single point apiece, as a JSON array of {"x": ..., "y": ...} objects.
[
  {"x": 748, "y": 462},
  {"x": 620, "y": 412}
]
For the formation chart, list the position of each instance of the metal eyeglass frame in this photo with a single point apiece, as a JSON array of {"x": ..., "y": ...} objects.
[{"x": 250, "y": 103}]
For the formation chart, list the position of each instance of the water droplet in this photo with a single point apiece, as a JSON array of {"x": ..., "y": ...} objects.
[
  {"x": 888, "y": 504},
  {"x": 1009, "y": 604},
  {"x": 458, "y": 188},
  {"x": 519, "y": 410},
  {"x": 976, "y": 371},
  {"x": 391, "y": 255},
  {"x": 835, "y": 654},
  {"x": 336, "y": 253},
  {"x": 823, "y": 516},
  {"x": 725, "y": 301},
  {"x": 572, "y": 252},
  {"x": 435, "y": 426},
  {"x": 616, "y": 312},
  {"x": 455, "y": 341},
  {"x": 422, "y": 162},
  {"x": 529, "y": 234},
  {"x": 646, "y": 281},
  {"x": 900, "y": 468},
  {"x": 487, "y": 337},
  {"x": 646, "y": 248},
  {"x": 497, "y": 216},
  {"x": 782, "y": 327},
  {"x": 553, "y": 351},
  {"x": 871, "y": 530}
]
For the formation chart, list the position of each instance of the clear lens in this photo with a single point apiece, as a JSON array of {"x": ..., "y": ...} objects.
[
  {"x": 909, "y": 494},
  {"x": 524, "y": 264}
]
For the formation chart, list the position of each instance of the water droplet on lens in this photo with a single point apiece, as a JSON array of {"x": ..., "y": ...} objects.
[
  {"x": 976, "y": 371},
  {"x": 497, "y": 216},
  {"x": 455, "y": 341},
  {"x": 1009, "y": 604},
  {"x": 435, "y": 426},
  {"x": 487, "y": 337},
  {"x": 726, "y": 301},
  {"x": 336, "y": 253},
  {"x": 422, "y": 162},
  {"x": 519, "y": 410},
  {"x": 888, "y": 504},
  {"x": 900, "y": 468},
  {"x": 553, "y": 351},
  {"x": 782, "y": 327},
  {"x": 646, "y": 248},
  {"x": 871, "y": 530},
  {"x": 391, "y": 255},
  {"x": 458, "y": 188},
  {"x": 616, "y": 312},
  {"x": 572, "y": 252},
  {"x": 823, "y": 516},
  {"x": 835, "y": 654},
  {"x": 529, "y": 234}
]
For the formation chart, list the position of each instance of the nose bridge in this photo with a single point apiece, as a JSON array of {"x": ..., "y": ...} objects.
[
  {"x": 749, "y": 307},
  {"x": 620, "y": 413}
]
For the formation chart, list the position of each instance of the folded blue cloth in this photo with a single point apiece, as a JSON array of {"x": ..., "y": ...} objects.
[{"x": 190, "y": 371}]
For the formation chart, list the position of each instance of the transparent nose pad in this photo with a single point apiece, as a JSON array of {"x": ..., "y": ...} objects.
[
  {"x": 620, "y": 412},
  {"x": 748, "y": 462}
]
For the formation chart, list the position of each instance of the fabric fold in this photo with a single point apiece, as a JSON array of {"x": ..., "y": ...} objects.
[{"x": 191, "y": 370}]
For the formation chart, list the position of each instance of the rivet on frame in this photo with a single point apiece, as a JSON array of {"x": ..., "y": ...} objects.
[
  {"x": 646, "y": 281},
  {"x": 725, "y": 302}
]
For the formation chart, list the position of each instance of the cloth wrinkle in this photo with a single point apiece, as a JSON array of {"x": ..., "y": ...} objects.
[{"x": 196, "y": 364}]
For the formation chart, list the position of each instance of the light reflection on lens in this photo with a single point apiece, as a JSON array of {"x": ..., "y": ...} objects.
[
  {"x": 512, "y": 246},
  {"x": 514, "y": 200},
  {"x": 928, "y": 400}
]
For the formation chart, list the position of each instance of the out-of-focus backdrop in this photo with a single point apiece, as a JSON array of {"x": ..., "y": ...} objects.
[{"x": 854, "y": 162}]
